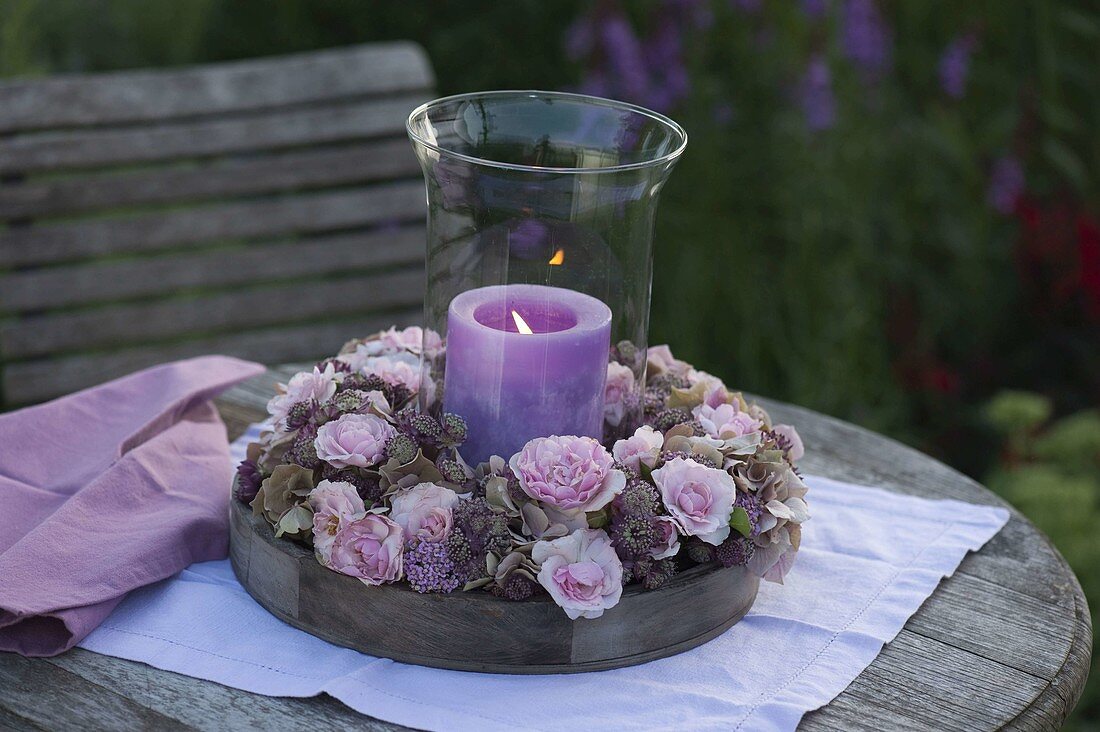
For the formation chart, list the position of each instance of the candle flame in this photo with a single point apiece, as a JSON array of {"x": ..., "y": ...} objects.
[
  {"x": 522, "y": 324},
  {"x": 558, "y": 258}
]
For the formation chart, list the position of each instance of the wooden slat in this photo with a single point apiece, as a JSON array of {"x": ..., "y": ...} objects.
[
  {"x": 34, "y": 381},
  {"x": 317, "y": 212},
  {"x": 141, "y": 96},
  {"x": 94, "y": 282},
  {"x": 272, "y": 129},
  {"x": 261, "y": 306},
  {"x": 293, "y": 171}
]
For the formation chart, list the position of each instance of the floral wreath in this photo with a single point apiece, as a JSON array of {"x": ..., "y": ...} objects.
[{"x": 347, "y": 465}]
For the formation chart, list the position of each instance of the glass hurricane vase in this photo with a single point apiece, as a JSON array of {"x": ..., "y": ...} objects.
[{"x": 541, "y": 208}]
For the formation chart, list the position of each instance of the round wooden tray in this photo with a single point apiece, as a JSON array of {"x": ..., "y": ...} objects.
[{"x": 475, "y": 631}]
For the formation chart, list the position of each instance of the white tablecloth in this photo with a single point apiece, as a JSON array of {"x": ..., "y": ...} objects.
[{"x": 869, "y": 558}]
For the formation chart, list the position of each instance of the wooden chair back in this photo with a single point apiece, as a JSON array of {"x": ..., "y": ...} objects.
[{"x": 268, "y": 209}]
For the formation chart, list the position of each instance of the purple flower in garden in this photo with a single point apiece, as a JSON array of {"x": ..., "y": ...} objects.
[
  {"x": 1006, "y": 184},
  {"x": 816, "y": 95},
  {"x": 624, "y": 55},
  {"x": 815, "y": 9},
  {"x": 866, "y": 37},
  {"x": 955, "y": 65},
  {"x": 621, "y": 65}
]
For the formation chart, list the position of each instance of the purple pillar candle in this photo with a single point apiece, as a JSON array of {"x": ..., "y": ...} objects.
[{"x": 525, "y": 361}]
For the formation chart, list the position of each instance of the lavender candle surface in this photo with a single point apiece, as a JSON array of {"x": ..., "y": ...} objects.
[{"x": 525, "y": 361}]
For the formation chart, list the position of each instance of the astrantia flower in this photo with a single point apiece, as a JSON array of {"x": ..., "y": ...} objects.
[
  {"x": 735, "y": 551},
  {"x": 581, "y": 572},
  {"x": 424, "y": 511},
  {"x": 725, "y": 421},
  {"x": 619, "y": 386},
  {"x": 789, "y": 440},
  {"x": 334, "y": 504},
  {"x": 641, "y": 448},
  {"x": 700, "y": 499},
  {"x": 572, "y": 474},
  {"x": 370, "y": 548},
  {"x": 357, "y": 440},
  {"x": 249, "y": 478},
  {"x": 305, "y": 386}
]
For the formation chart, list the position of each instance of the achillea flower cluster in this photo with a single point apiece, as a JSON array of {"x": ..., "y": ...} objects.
[{"x": 430, "y": 568}]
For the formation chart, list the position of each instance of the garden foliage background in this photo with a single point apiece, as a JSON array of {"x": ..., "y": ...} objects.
[{"x": 888, "y": 210}]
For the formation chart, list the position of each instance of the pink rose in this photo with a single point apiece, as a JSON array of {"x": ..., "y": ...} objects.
[
  {"x": 725, "y": 421},
  {"x": 795, "y": 448},
  {"x": 660, "y": 360},
  {"x": 699, "y": 499},
  {"x": 423, "y": 511},
  {"x": 581, "y": 572},
  {"x": 370, "y": 548},
  {"x": 413, "y": 339},
  {"x": 715, "y": 392},
  {"x": 334, "y": 504},
  {"x": 354, "y": 440},
  {"x": 668, "y": 539},
  {"x": 572, "y": 474},
  {"x": 304, "y": 386},
  {"x": 619, "y": 385},
  {"x": 403, "y": 369},
  {"x": 641, "y": 448}
]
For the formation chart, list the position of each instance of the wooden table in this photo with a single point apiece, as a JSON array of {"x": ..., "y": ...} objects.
[{"x": 1006, "y": 641}]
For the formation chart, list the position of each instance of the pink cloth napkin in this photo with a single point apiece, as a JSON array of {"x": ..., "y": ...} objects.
[{"x": 108, "y": 490}]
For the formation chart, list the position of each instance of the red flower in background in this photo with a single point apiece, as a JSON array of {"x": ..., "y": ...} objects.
[
  {"x": 1088, "y": 250},
  {"x": 1058, "y": 257}
]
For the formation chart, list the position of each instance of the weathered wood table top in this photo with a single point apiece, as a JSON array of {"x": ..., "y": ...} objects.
[{"x": 1005, "y": 642}]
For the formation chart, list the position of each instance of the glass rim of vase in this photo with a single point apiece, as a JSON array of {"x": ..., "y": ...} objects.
[{"x": 667, "y": 122}]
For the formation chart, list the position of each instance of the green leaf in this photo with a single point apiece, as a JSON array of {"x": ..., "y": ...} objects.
[
  {"x": 646, "y": 471},
  {"x": 739, "y": 521},
  {"x": 598, "y": 519}
]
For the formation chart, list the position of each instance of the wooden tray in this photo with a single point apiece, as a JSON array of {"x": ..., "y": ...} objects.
[{"x": 475, "y": 631}]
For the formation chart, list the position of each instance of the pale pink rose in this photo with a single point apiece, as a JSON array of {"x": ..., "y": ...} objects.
[
  {"x": 370, "y": 548},
  {"x": 581, "y": 572},
  {"x": 423, "y": 511},
  {"x": 668, "y": 544},
  {"x": 334, "y": 504},
  {"x": 795, "y": 449},
  {"x": 354, "y": 440},
  {"x": 660, "y": 360},
  {"x": 715, "y": 392},
  {"x": 401, "y": 368},
  {"x": 619, "y": 385},
  {"x": 357, "y": 359},
  {"x": 413, "y": 339},
  {"x": 641, "y": 448},
  {"x": 725, "y": 421},
  {"x": 304, "y": 386},
  {"x": 573, "y": 474},
  {"x": 699, "y": 499}
]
